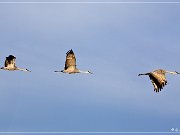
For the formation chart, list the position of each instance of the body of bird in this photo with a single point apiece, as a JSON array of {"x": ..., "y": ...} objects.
[
  {"x": 158, "y": 78},
  {"x": 70, "y": 64}
]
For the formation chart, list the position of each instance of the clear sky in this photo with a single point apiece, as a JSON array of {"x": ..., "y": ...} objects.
[{"x": 115, "y": 41}]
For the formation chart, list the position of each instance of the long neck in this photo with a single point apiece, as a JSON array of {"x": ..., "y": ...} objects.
[
  {"x": 22, "y": 69},
  {"x": 85, "y": 72},
  {"x": 171, "y": 72}
]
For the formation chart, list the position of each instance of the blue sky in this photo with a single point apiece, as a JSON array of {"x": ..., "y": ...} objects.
[{"x": 114, "y": 41}]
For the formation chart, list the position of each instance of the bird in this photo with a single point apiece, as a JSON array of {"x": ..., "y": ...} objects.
[
  {"x": 10, "y": 64},
  {"x": 70, "y": 64},
  {"x": 158, "y": 78}
]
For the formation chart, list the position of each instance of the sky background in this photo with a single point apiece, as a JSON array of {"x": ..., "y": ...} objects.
[{"x": 114, "y": 41}]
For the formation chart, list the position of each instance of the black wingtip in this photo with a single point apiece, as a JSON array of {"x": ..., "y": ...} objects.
[
  {"x": 11, "y": 57},
  {"x": 70, "y": 52}
]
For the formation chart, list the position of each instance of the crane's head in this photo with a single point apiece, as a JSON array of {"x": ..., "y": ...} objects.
[
  {"x": 177, "y": 72},
  {"x": 89, "y": 72},
  {"x": 27, "y": 70}
]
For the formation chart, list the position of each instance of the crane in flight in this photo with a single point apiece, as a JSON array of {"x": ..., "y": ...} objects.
[
  {"x": 10, "y": 64},
  {"x": 70, "y": 64},
  {"x": 158, "y": 78}
]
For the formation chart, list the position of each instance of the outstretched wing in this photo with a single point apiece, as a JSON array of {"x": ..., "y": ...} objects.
[
  {"x": 70, "y": 60},
  {"x": 10, "y": 61},
  {"x": 158, "y": 80}
]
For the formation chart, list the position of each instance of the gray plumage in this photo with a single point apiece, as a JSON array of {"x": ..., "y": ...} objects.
[{"x": 158, "y": 78}]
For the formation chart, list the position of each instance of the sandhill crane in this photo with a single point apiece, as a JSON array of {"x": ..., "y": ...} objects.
[
  {"x": 70, "y": 64},
  {"x": 158, "y": 78},
  {"x": 10, "y": 64}
]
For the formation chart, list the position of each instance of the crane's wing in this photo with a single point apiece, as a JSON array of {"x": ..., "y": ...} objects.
[
  {"x": 10, "y": 61},
  {"x": 158, "y": 80},
  {"x": 70, "y": 60}
]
